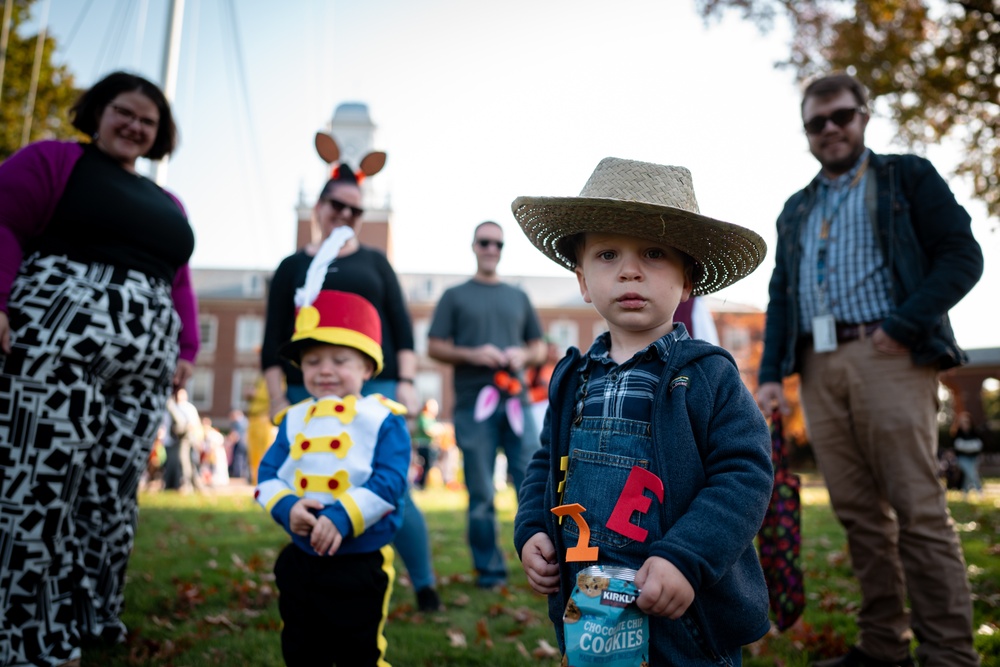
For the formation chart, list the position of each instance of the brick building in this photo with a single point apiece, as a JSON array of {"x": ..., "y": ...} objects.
[{"x": 231, "y": 317}]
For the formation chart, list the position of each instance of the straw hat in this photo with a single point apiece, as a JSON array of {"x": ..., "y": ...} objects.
[
  {"x": 337, "y": 318},
  {"x": 648, "y": 201}
]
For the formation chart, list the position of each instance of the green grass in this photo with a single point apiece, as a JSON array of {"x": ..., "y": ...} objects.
[{"x": 201, "y": 590}]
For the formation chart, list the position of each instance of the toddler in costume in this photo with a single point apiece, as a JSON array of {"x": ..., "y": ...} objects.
[
  {"x": 333, "y": 478},
  {"x": 652, "y": 444}
]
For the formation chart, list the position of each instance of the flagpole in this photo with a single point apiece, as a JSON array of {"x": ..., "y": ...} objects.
[
  {"x": 171, "y": 60},
  {"x": 4, "y": 35}
]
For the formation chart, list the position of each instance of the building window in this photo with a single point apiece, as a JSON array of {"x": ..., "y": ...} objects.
[
  {"x": 249, "y": 333},
  {"x": 736, "y": 339},
  {"x": 600, "y": 326},
  {"x": 422, "y": 291},
  {"x": 244, "y": 382},
  {"x": 200, "y": 389},
  {"x": 208, "y": 330},
  {"x": 564, "y": 333},
  {"x": 429, "y": 386},
  {"x": 420, "y": 329},
  {"x": 253, "y": 286}
]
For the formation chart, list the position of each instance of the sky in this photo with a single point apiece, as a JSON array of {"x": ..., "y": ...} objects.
[{"x": 475, "y": 103}]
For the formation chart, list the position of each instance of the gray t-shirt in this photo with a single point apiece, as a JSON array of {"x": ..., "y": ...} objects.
[{"x": 474, "y": 314}]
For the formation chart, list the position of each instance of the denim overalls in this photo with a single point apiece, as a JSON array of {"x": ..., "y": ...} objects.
[{"x": 603, "y": 451}]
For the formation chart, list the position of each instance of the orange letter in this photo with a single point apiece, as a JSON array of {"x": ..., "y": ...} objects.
[{"x": 581, "y": 552}]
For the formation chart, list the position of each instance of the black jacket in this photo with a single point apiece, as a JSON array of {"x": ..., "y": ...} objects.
[{"x": 926, "y": 239}]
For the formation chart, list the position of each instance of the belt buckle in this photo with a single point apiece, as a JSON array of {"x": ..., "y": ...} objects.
[{"x": 867, "y": 329}]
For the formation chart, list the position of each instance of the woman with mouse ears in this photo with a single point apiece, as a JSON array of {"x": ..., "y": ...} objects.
[{"x": 341, "y": 263}]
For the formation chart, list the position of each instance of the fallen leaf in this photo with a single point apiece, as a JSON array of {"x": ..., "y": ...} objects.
[
  {"x": 483, "y": 633},
  {"x": 523, "y": 615},
  {"x": 221, "y": 620},
  {"x": 456, "y": 638},
  {"x": 545, "y": 650}
]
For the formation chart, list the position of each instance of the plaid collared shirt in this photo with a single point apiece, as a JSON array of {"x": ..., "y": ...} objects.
[
  {"x": 856, "y": 278},
  {"x": 622, "y": 391}
]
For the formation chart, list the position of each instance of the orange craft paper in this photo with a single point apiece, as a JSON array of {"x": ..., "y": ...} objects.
[{"x": 581, "y": 552}]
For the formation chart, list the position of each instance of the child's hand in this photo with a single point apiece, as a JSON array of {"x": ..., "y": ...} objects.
[
  {"x": 300, "y": 519},
  {"x": 325, "y": 537},
  {"x": 665, "y": 591},
  {"x": 538, "y": 558}
]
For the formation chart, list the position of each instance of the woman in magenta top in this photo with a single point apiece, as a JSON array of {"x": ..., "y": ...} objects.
[{"x": 98, "y": 321}]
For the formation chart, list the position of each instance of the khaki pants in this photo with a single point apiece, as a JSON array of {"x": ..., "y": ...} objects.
[{"x": 872, "y": 420}]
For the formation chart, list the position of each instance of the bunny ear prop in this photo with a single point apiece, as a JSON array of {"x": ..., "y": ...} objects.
[
  {"x": 372, "y": 163},
  {"x": 327, "y": 147},
  {"x": 486, "y": 403},
  {"x": 515, "y": 415}
]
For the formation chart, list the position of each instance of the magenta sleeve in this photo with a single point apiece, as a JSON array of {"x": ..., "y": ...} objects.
[
  {"x": 186, "y": 305},
  {"x": 32, "y": 181}
]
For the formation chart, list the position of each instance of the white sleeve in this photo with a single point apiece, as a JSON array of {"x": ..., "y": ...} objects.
[{"x": 702, "y": 323}]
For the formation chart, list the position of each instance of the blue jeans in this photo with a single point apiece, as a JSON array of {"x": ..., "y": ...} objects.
[
  {"x": 604, "y": 452},
  {"x": 411, "y": 539},
  {"x": 479, "y": 442},
  {"x": 970, "y": 472}
]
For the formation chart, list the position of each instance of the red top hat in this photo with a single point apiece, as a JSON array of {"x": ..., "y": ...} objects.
[{"x": 337, "y": 318}]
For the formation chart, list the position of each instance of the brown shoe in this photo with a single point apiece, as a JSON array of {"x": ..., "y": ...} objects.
[{"x": 858, "y": 658}]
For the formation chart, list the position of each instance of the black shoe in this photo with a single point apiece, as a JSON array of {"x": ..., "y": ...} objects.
[
  {"x": 858, "y": 658},
  {"x": 428, "y": 600}
]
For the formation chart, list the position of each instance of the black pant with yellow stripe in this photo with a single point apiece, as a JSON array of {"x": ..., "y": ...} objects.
[{"x": 334, "y": 607}]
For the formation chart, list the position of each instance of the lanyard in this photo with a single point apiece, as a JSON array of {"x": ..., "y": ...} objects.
[{"x": 824, "y": 231}]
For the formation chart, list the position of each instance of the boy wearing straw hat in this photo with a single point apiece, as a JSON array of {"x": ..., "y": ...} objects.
[
  {"x": 651, "y": 434},
  {"x": 333, "y": 479}
]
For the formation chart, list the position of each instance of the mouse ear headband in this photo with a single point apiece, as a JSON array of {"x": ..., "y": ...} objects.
[
  {"x": 371, "y": 164},
  {"x": 329, "y": 152}
]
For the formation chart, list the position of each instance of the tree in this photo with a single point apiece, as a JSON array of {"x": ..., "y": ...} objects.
[
  {"x": 933, "y": 64},
  {"x": 54, "y": 95}
]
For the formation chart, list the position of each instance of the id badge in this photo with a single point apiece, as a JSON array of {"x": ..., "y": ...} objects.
[{"x": 824, "y": 333}]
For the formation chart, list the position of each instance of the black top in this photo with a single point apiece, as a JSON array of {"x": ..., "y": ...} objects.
[
  {"x": 366, "y": 273},
  {"x": 112, "y": 216}
]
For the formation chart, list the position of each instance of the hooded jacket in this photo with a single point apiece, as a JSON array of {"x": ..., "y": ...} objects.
[{"x": 712, "y": 452}]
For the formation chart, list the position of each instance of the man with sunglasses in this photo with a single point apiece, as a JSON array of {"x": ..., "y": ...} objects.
[
  {"x": 870, "y": 257},
  {"x": 481, "y": 327}
]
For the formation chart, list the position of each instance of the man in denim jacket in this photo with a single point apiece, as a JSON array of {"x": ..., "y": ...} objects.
[
  {"x": 871, "y": 256},
  {"x": 653, "y": 434}
]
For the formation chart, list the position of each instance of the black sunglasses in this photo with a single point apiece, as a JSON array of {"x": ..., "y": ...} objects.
[
  {"x": 486, "y": 243},
  {"x": 339, "y": 206},
  {"x": 840, "y": 117}
]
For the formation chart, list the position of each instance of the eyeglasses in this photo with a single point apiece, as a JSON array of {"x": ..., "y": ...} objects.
[
  {"x": 339, "y": 206},
  {"x": 486, "y": 243},
  {"x": 840, "y": 117},
  {"x": 130, "y": 117}
]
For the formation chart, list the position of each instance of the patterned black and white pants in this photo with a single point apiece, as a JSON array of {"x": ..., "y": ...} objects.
[{"x": 81, "y": 396}]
